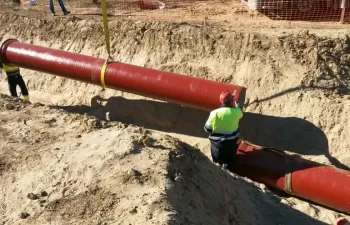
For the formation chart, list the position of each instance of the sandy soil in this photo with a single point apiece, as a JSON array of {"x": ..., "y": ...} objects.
[
  {"x": 108, "y": 157},
  {"x": 64, "y": 168}
]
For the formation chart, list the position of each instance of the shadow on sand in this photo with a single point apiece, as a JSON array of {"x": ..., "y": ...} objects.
[
  {"x": 225, "y": 199},
  {"x": 291, "y": 134}
]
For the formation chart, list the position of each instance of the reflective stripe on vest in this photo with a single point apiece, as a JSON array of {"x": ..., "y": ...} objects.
[{"x": 225, "y": 137}]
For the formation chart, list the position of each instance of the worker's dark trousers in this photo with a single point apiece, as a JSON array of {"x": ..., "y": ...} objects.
[
  {"x": 224, "y": 152},
  {"x": 13, "y": 81}
]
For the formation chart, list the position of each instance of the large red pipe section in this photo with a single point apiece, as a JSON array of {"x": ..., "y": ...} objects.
[
  {"x": 309, "y": 180},
  {"x": 170, "y": 87},
  {"x": 319, "y": 183}
]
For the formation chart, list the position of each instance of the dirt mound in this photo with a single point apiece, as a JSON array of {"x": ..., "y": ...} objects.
[
  {"x": 297, "y": 100},
  {"x": 90, "y": 174}
]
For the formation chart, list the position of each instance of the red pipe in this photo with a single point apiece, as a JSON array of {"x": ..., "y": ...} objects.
[
  {"x": 171, "y": 87},
  {"x": 309, "y": 180}
]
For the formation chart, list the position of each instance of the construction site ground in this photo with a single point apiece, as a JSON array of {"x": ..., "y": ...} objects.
[{"x": 79, "y": 154}]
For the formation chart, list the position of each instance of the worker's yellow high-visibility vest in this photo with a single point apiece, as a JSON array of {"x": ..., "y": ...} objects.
[
  {"x": 11, "y": 70},
  {"x": 224, "y": 120}
]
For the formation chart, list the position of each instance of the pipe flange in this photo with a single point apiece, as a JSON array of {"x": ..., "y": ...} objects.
[{"x": 3, "y": 49}]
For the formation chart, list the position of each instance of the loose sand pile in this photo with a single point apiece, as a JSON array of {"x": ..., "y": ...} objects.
[{"x": 87, "y": 149}]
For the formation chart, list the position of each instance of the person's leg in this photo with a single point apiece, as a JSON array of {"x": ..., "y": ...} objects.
[
  {"x": 231, "y": 148},
  {"x": 23, "y": 87},
  {"x": 214, "y": 149},
  {"x": 52, "y": 9},
  {"x": 64, "y": 10},
  {"x": 218, "y": 154},
  {"x": 227, "y": 153},
  {"x": 12, "y": 86}
]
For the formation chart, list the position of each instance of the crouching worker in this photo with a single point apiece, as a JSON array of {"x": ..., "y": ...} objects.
[
  {"x": 223, "y": 127},
  {"x": 14, "y": 78}
]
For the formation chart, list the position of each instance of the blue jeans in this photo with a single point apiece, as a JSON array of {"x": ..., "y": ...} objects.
[{"x": 60, "y": 2}]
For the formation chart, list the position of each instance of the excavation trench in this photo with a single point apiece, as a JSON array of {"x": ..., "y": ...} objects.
[{"x": 294, "y": 81}]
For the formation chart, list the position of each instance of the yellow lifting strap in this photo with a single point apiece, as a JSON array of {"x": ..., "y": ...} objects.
[
  {"x": 108, "y": 46},
  {"x": 103, "y": 71}
]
